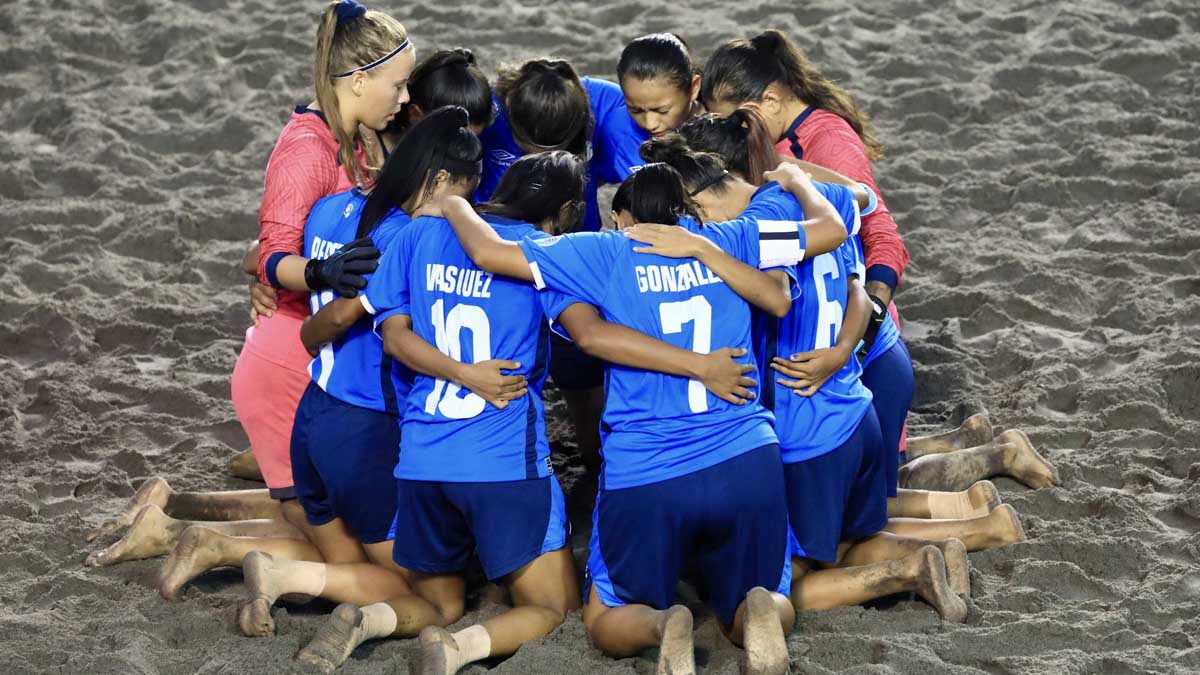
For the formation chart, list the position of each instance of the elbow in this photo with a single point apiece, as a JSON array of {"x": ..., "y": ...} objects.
[
  {"x": 586, "y": 342},
  {"x": 779, "y": 306}
]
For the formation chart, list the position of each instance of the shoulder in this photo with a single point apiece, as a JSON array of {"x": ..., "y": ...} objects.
[
  {"x": 824, "y": 127},
  {"x": 605, "y": 96}
]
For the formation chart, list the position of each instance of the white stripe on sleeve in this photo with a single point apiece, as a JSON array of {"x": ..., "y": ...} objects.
[{"x": 538, "y": 282}]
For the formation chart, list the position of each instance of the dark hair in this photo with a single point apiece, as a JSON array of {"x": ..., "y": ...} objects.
[
  {"x": 447, "y": 77},
  {"x": 535, "y": 187},
  {"x": 698, "y": 170},
  {"x": 741, "y": 70},
  {"x": 658, "y": 195},
  {"x": 623, "y": 197},
  {"x": 546, "y": 105},
  {"x": 741, "y": 140},
  {"x": 657, "y": 56},
  {"x": 439, "y": 140}
]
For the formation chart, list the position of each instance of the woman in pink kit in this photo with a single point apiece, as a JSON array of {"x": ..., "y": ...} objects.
[{"x": 364, "y": 59}]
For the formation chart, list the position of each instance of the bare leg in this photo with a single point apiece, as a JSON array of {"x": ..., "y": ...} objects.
[
  {"x": 760, "y": 625},
  {"x": 543, "y": 592},
  {"x": 887, "y": 546},
  {"x": 201, "y": 549},
  {"x": 154, "y": 491},
  {"x": 154, "y": 533},
  {"x": 585, "y": 408},
  {"x": 977, "y": 500},
  {"x": 243, "y": 465},
  {"x": 999, "y": 528},
  {"x": 267, "y": 579},
  {"x": 404, "y": 616},
  {"x": 923, "y": 571},
  {"x": 1009, "y": 454},
  {"x": 626, "y": 630},
  {"x": 975, "y": 430}
]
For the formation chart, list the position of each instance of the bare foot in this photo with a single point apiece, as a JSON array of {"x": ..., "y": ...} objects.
[
  {"x": 934, "y": 588},
  {"x": 196, "y": 553},
  {"x": 244, "y": 465},
  {"x": 984, "y": 497},
  {"x": 438, "y": 652},
  {"x": 1024, "y": 463},
  {"x": 1005, "y": 526},
  {"x": 254, "y": 618},
  {"x": 152, "y": 534},
  {"x": 676, "y": 653},
  {"x": 958, "y": 567},
  {"x": 975, "y": 430},
  {"x": 334, "y": 641},
  {"x": 766, "y": 648},
  {"x": 154, "y": 491}
]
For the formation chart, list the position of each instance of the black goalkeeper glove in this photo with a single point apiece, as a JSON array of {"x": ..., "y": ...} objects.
[{"x": 342, "y": 272}]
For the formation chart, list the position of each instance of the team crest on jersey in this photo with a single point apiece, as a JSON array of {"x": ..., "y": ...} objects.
[
  {"x": 503, "y": 156},
  {"x": 349, "y": 209}
]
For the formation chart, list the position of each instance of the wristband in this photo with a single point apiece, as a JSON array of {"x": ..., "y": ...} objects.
[{"x": 273, "y": 261}]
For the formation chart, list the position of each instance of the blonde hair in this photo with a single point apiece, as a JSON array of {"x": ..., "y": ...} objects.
[{"x": 340, "y": 48}]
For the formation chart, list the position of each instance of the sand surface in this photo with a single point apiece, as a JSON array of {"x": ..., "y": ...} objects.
[{"x": 1044, "y": 166}]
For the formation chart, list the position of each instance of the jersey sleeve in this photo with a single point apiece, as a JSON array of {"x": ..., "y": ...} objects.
[
  {"x": 617, "y": 137},
  {"x": 300, "y": 172},
  {"x": 764, "y": 236},
  {"x": 387, "y": 292},
  {"x": 579, "y": 264},
  {"x": 844, "y": 202},
  {"x": 843, "y": 151}
]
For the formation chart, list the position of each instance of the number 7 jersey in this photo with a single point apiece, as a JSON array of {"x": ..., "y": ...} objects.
[
  {"x": 658, "y": 426},
  {"x": 449, "y": 434}
]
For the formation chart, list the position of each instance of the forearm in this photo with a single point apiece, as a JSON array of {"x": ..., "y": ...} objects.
[
  {"x": 825, "y": 175},
  {"x": 624, "y": 346},
  {"x": 250, "y": 260},
  {"x": 858, "y": 315},
  {"x": 402, "y": 344},
  {"x": 824, "y": 229},
  {"x": 285, "y": 271},
  {"x": 482, "y": 244},
  {"x": 753, "y": 285},
  {"x": 330, "y": 323},
  {"x": 880, "y": 290}
]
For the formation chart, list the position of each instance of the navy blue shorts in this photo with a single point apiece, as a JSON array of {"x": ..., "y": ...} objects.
[
  {"x": 729, "y": 519},
  {"x": 342, "y": 461},
  {"x": 890, "y": 379},
  {"x": 838, "y": 495},
  {"x": 508, "y": 524},
  {"x": 572, "y": 369}
]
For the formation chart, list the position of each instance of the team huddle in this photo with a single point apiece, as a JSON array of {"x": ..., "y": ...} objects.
[{"x": 431, "y": 251}]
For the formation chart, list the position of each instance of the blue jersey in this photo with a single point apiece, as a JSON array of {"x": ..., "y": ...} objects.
[
  {"x": 612, "y": 150},
  {"x": 449, "y": 434},
  {"x": 658, "y": 426},
  {"x": 811, "y": 426},
  {"x": 352, "y": 368},
  {"x": 888, "y": 334}
]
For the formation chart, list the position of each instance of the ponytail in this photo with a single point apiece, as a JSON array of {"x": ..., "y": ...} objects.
[
  {"x": 699, "y": 171},
  {"x": 657, "y": 195},
  {"x": 350, "y": 36},
  {"x": 740, "y": 140},
  {"x": 740, "y": 72}
]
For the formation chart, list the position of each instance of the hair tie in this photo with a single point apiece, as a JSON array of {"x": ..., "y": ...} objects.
[{"x": 347, "y": 10}]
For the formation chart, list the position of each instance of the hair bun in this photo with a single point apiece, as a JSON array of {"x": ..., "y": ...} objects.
[
  {"x": 668, "y": 149},
  {"x": 465, "y": 56},
  {"x": 768, "y": 40}
]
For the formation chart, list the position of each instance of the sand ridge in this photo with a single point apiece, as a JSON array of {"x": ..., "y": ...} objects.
[{"x": 1044, "y": 166}]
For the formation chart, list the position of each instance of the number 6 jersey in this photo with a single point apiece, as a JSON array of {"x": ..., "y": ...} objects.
[{"x": 449, "y": 434}]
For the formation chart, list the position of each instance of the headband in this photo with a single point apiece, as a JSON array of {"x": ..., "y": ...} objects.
[{"x": 379, "y": 61}]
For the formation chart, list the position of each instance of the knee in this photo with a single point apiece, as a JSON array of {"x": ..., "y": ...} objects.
[{"x": 449, "y": 611}]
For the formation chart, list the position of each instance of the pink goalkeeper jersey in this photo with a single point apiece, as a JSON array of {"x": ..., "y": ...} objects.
[{"x": 303, "y": 168}]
